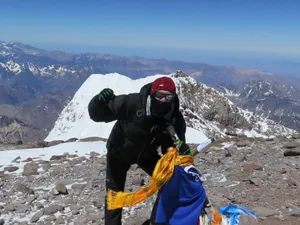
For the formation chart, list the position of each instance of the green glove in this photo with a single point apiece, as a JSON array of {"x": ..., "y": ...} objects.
[
  {"x": 105, "y": 95},
  {"x": 183, "y": 148}
]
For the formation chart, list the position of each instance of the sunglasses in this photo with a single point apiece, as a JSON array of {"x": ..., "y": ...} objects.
[{"x": 160, "y": 95}]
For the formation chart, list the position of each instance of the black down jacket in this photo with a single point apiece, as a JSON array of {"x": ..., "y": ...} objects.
[{"x": 136, "y": 132}]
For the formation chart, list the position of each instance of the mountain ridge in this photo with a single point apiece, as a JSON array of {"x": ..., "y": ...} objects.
[
  {"x": 204, "y": 109},
  {"x": 279, "y": 102}
]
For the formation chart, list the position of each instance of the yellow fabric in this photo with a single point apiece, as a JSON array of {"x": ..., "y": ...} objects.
[{"x": 162, "y": 173}]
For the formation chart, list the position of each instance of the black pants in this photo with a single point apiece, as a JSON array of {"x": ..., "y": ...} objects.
[{"x": 116, "y": 172}]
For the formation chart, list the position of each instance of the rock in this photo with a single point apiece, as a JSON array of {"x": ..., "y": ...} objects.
[
  {"x": 23, "y": 188},
  {"x": 264, "y": 212},
  {"x": 58, "y": 157},
  {"x": 252, "y": 166},
  {"x": 31, "y": 198},
  {"x": 10, "y": 207},
  {"x": 30, "y": 169},
  {"x": 57, "y": 171},
  {"x": 50, "y": 219},
  {"x": 69, "y": 201},
  {"x": 75, "y": 209},
  {"x": 92, "y": 139},
  {"x": 41, "y": 144},
  {"x": 230, "y": 133},
  {"x": 269, "y": 139},
  {"x": 291, "y": 145},
  {"x": 296, "y": 136},
  {"x": 255, "y": 181},
  {"x": 11, "y": 168},
  {"x": 93, "y": 183},
  {"x": 293, "y": 183},
  {"x": 241, "y": 144},
  {"x": 42, "y": 162},
  {"x": 94, "y": 154},
  {"x": 228, "y": 153},
  {"x": 295, "y": 211},
  {"x": 22, "y": 209},
  {"x": 72, "y": 140},
  {"x": 52, "y": 209},
  {"x": 292, "y": 152},
  {"x": 72, "y": 156},
  {"x": 61, "y": 189},
  {"x": 54, "y": 191},
  {"x": 60, "y": 220},
  {"x": 39, "y": 205},
  {"x": 16, "y": 159},
  {"x": 80, "y": 221},
  {"x": 98, "y": 162},
  {"x": 239, "y": 176},
  {"x": 77, "y": 188},
  {"x": 2, "y": 222},
  {"x": 139, "y": 181},
  {"x": 53, "y": 143},
  {"x": 37, "y": 216},
  {"x": 78, "y": 160},
  {"x": 28, "y": 160},
  {"x": 96, "y": 218},
  {"x": 46, "y": 166}
]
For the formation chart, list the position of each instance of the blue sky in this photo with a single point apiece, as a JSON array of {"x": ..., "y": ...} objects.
[{"x": 232, "y": 25}]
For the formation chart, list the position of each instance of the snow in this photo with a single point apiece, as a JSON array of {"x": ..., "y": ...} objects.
[
  {"x": 3, "y": 65},
  {"x": 74, "y": 120},
  {"x": 78, "y": 148},
  {"x": 195, "y": 136},
  {"x": 14, "y": 67},
  {"x": 249, "y": 93},
  {"x": 3, "y": 53},
  {"x": 230, "y": 93}
]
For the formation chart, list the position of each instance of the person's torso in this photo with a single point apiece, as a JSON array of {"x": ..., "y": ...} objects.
[{"x": 138, "y": 131}]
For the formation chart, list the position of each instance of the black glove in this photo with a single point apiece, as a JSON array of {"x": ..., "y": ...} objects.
[{"x": 105, "y": 95}]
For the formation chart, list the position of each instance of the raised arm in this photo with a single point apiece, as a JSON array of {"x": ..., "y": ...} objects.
[{"x": 107, "y": 107}]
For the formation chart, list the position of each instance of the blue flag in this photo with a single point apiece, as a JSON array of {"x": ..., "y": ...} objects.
[{"x": 182, "y": 198}]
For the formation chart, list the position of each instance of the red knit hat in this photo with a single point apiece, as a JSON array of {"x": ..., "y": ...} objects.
[{"x": 163, "y": 84}]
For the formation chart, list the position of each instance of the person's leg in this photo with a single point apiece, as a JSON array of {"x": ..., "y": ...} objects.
[{"x": 116, "y": 171}]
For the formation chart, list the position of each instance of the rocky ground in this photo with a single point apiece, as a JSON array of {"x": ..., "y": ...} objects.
[{"x": 263, "y": 175}]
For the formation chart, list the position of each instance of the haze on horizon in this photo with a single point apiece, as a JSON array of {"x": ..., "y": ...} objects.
[{"x": 249, "y": 33}]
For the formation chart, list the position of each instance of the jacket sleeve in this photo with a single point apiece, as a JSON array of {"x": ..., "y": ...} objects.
[
  {"x": 114, "y": 109},
  {"x": 180, "y": 127}
]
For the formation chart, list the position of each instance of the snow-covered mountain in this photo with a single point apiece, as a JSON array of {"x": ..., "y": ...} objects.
[
  {"x": 205, "y": 110},
  {"x": 74, "y": 120},
  {"x": 277, "y": 101}
]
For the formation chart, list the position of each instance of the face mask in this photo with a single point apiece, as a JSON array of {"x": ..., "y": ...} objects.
[{"x": 160, "y": 109}]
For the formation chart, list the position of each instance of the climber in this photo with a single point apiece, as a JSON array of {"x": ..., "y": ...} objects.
[{"x": 141, "y": 126}]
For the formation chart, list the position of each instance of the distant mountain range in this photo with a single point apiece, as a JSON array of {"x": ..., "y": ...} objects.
[
  {"x": 36, "y": 85},
  {"x": 276, "y": 101}
]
